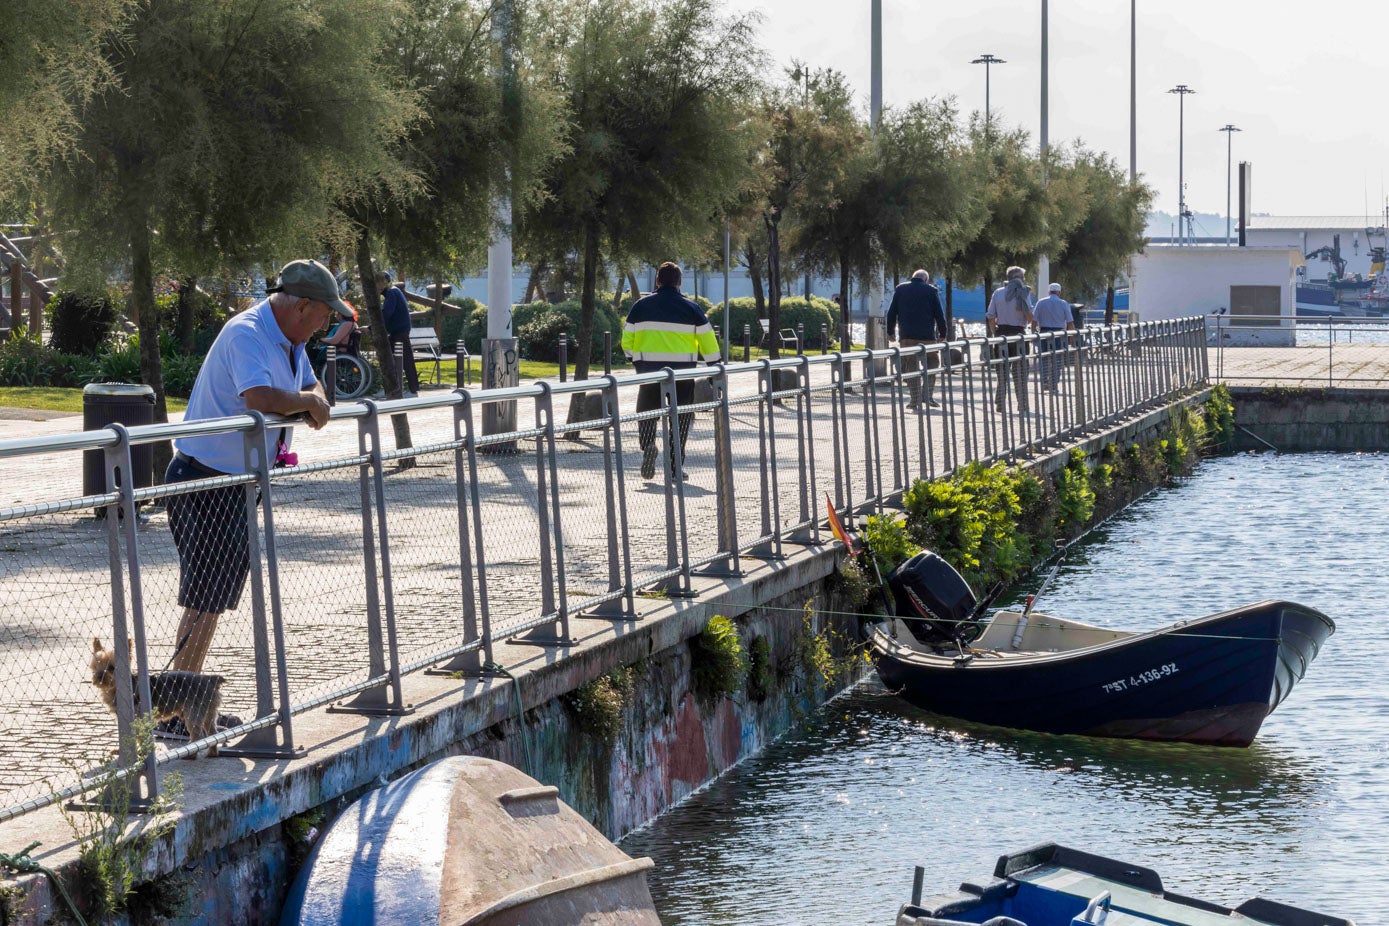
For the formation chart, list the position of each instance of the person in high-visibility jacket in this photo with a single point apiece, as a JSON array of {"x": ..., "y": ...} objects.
[{"x": 665, "y": 329}]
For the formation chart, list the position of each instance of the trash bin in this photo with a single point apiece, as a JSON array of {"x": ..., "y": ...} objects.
[{"x": 116, "y": 403}]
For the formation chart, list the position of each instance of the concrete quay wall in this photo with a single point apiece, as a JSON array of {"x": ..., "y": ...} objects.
[
  {"x": 1295, "y": 418},
  {"x": 236, "y": 843}
]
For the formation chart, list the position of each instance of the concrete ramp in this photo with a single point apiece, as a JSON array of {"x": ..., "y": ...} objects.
[{"x": 467, "y": 841}]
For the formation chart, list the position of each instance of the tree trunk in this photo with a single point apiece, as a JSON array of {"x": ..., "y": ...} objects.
[
  {"x": 950, "y": 306},
  {"x": 988, "y": 289},
  {"x": 385, "y": 357},
  {"x": 632, "y": 281},
  {"x": 186, "y": 317},
  {"x": 587, "y": 305},
  {"x": 1109, "y": 304},
  {"x": 759, "y": 297},
  {"x": 533, "y": 290},
  {"x": 846, "y": 313},
  {"x": 142, "y": 305},
  {"x": 773, "y": 333}
]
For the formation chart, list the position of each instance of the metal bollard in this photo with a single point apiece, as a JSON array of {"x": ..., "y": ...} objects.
[
  {"x": 563, "y": 358},
  {"x": 607, "y": 353},
  {"x": 824, "y": 340},
  {"x": 462, "y": 365},
  {"x": 330, "y": 375},
  {"x": 399, "y": 351},
  {"x": 747, "y": 343},
  {"x": 800, "y": 339}
]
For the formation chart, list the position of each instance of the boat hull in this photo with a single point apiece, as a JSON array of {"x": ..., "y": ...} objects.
[{"x": 1211, "y": 681}]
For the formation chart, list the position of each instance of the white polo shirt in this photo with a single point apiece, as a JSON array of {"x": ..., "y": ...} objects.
[{"x": 250, "y": 351}]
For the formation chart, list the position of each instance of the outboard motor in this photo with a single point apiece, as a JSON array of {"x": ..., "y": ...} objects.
[{"x": 936, "y": 601}]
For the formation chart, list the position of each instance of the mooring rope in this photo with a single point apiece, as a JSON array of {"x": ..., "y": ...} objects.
[{"x": 21, "y": 863}]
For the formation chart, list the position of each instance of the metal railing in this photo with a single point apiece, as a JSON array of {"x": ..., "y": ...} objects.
[
  {"x": 1300, "y": 350},
  {"x": 369, "y": 563}
]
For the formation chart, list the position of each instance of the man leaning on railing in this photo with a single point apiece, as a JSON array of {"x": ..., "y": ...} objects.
[
  {"x": 258, "y": 364},
  {"x": 663, "y": 330}
]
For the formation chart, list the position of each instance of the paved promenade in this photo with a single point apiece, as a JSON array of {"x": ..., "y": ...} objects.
[{"x": 55, "y": 586}]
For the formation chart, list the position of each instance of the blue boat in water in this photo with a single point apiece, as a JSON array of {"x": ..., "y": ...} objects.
[
  {"x": 1211, "y": 680},
  {"x": 1051, "y": 885}
]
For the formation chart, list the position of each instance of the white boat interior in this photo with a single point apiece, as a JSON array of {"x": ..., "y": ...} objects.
[{"x": 1041, "y": 633}]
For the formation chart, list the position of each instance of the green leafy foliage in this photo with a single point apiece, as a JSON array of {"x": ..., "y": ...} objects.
[
  {"x": 972, "y": 519},
  {"x": 1075, "y": 499},
  {"x": 742, "y": 311},
  {"x": 1220, "y": 416},
  {"x": 859, "y": 591},
  {"x": 540, "y": 334},
  {"x": 718, "y": 663},
  {"x": 81, "y": 322},
  {"x": 598, "y": 705},
  {"x": 886, "y": 538}
]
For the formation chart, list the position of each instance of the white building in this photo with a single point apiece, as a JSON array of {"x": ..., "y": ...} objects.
[
  {"x": 1253, "y": 289},
  {"x": 1309, "y": 233}
]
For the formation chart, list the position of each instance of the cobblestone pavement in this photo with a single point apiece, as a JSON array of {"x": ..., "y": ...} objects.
[{"x": 55, "y": 572}]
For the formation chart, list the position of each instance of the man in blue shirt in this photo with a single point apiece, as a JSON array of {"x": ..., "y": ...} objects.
[
  {"x": 395, "y": 312},
  {"x": 1053, "y": 314},
  {"x": 258, "y": 364},
  {"x": 916, "y": 305}
]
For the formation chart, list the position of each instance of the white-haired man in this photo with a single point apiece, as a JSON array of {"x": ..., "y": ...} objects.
[{"x": 916, "y": 307}]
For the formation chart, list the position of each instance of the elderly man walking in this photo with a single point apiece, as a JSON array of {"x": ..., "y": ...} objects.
[
  {"x": 916, "y": 306},
  {"x": 1010, "y": 314},
  {"x": 1053, "y": 315}
]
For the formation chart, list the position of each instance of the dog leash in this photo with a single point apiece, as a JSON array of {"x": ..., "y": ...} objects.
[{"x": 21, "y": 863}]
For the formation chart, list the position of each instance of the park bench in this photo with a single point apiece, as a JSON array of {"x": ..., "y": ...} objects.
[{"x": 424, "y": 343}]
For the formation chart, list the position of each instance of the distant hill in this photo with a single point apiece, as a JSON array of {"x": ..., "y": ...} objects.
[{"x": 1164, "y": 224}]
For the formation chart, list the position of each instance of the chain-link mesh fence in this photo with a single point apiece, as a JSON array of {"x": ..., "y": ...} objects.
[{"x": 366, "y": 561}]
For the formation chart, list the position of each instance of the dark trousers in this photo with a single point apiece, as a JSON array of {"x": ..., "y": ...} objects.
[
  {"x": 1016, "y": 367},
  {"x": 412, "y": 376},
  {"x": 912, "y": 364},
  {"x": 649, "y": 399},
  {"x": 1052, "y": 358}
]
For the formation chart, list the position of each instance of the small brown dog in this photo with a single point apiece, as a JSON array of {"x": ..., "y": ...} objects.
[{"x": 192, "y": 696}]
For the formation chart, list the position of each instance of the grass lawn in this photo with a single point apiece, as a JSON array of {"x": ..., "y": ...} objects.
[{"x": 54, "y": 399}]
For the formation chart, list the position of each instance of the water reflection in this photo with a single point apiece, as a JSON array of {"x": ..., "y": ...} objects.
[{"x": 830, "y": 820}]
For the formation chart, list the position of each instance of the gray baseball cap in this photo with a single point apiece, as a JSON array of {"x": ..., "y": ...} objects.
[{"x": 308, "y": 279}]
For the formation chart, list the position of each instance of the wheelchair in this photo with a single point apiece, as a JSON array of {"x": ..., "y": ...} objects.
[{"x": 354, "y": 378}]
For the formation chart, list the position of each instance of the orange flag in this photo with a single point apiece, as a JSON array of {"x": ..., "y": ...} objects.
[{"x": 837, "y": 527}]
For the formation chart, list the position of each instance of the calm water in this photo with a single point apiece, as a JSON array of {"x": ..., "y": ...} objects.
[{"x": 825, "y": 827}]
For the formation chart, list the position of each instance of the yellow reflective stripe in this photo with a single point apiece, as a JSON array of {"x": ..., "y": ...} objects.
[
  {"x": 663, "y": 342},
  {"x": 708, "y": 344},
  {"x": 628, "y": 340}
]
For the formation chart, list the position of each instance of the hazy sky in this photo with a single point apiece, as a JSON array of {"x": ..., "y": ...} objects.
[{"x": 1306, "y": 82}]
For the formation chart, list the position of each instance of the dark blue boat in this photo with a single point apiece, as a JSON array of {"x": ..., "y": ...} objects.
[
  {"x": 1051, "y": 885},
  {"x": 1212, "y": 680}
]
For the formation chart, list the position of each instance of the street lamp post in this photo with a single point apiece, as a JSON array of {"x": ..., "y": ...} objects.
[
  {"x": 1181, "y": 90},
  {"x": 1229, "y": 131},
  {"x": 988, "y": 61},
  {"x": 1043, "y": 263}
]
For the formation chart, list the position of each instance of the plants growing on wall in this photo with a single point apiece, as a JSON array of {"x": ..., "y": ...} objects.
[
  {"x": 598, "y": 705},
  {"x": 718, "y": 663}
]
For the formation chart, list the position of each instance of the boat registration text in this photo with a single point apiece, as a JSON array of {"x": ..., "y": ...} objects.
[{"x": 1142, "y": 678}]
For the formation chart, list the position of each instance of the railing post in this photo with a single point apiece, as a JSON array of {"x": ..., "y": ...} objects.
[
  {"x": 622, "y": 608},
  {"x": 262, "y": 743},
  {"x": 330, "y": 374},
  {"x": 553, "y": 596},
  {"x": 382, "y": 700},
  {"x": 469, "y": 663},
  {"x": 726, "y": 500},
  {"x": 679, "y": 550},
  {"x": 805, "y": 434},
  {"x": 770, "y": 546},
  {"x": 121, "y": 519}
]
